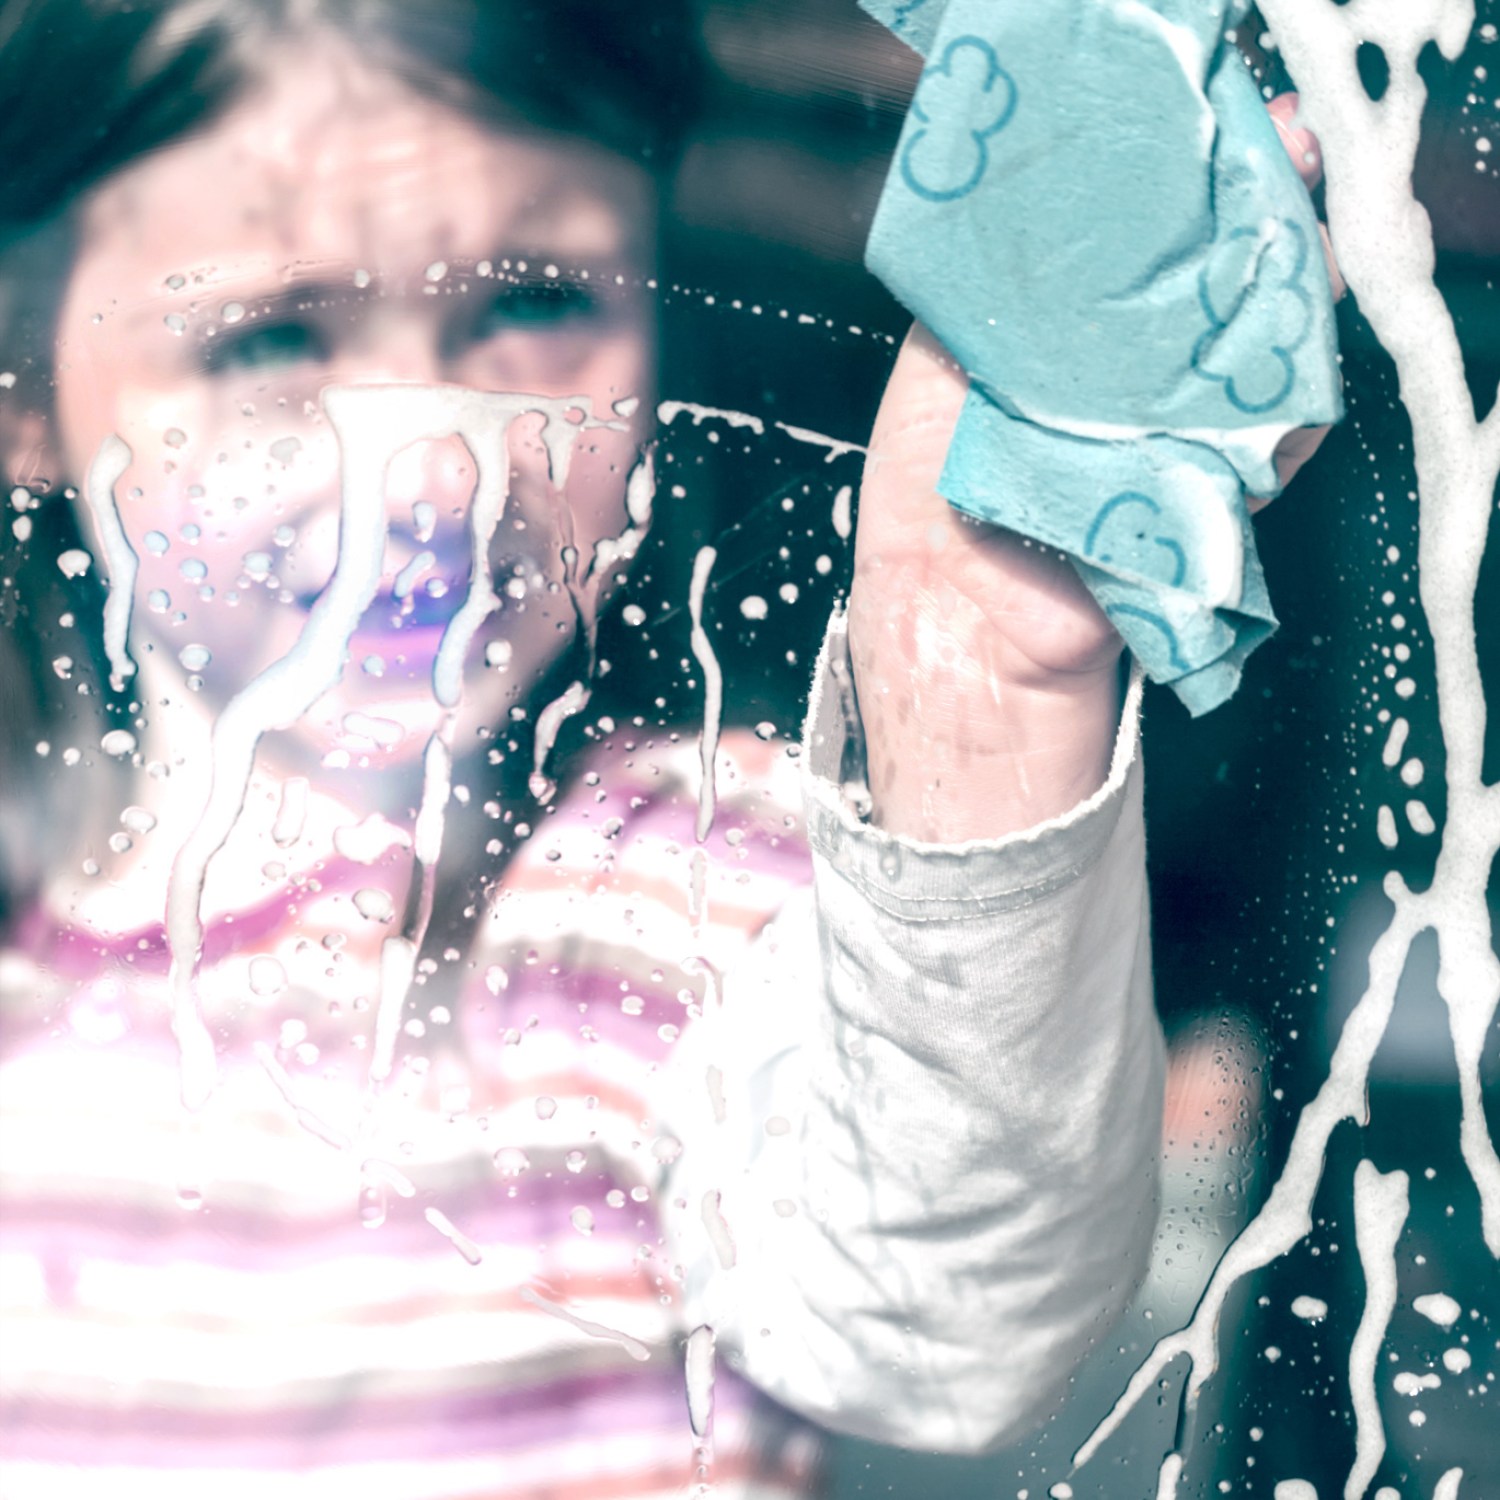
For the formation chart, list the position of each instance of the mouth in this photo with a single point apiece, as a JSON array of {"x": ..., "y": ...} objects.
[
  {"x": 402, "y": 627},
  {"x": 423, "y": 596}
]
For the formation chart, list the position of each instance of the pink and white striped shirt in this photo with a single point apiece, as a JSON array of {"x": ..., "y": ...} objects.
[{"x": 477, "y": 1281}]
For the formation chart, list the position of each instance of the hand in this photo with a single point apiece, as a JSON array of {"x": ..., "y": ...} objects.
[{"x": 987, "y": 676}]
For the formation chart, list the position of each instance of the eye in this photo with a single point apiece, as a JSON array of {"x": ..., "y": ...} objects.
[
  {"x": 534, "y": 304},
  {"x": 269, "y": 346}
]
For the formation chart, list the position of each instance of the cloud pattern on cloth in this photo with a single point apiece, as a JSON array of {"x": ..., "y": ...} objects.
[{"x": 1091, "y": 210}]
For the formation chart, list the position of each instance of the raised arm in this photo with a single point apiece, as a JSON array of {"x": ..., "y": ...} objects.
[{"x": 939, "y": 1083}]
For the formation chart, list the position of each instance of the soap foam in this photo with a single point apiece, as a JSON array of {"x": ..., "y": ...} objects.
[{"x": 1384, "y": 244}]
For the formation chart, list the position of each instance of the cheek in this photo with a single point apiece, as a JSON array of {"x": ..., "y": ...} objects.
[{"x": 225, "y": 494}]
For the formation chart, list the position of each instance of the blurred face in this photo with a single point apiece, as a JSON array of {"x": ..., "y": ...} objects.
[{"x": 336, "y": 228}]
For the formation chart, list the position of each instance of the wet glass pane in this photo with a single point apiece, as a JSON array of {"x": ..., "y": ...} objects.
[{"x": 434, "y": 438}]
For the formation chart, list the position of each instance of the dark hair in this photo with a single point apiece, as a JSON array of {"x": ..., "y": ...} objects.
[{"x": 90, "y": 86}]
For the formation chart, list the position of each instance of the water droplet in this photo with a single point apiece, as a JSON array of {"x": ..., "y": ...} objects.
[
  {"x": 575, "y": 1161},
  {"x": 267, "y": 977},
  {"x": 374, "y": 904},
  {"x": 232, "y": 312},
  {"x": 156, "y": 543},
  {"x": 753, "y": 607},
  {"x": 511, "y": 1161},
  {"x": 74, "y": 563},
  {"x": 546, "y": 1107},
  {"x": 137, "y": 820},
  {"x": 1438, "y": 1307},
  {"x": 372, "y": 1205},
  {"x": 582, "y": 1220},
  {"x": 174, "y": 437},
  {"x": 117, "y": 742},
  {"x": 195, "y": 656}
]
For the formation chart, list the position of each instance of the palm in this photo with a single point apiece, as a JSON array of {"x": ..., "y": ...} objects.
[
  {"x": 1031, "y": 616},
  {"x": 985, "y": 671}
]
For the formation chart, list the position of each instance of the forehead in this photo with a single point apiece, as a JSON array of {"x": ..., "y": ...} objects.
[{"x": 330, "y": 163}]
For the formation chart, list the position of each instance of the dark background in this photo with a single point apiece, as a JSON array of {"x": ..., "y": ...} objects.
[{"x": 1265, "y": 865}]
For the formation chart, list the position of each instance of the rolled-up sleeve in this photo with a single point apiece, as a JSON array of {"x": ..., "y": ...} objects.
[{"x": 930, "y": 1114}]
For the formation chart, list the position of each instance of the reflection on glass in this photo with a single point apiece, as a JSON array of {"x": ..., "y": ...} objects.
[{"x": 371, "y": 872}]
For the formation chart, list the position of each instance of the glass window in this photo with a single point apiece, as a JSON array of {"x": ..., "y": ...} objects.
[{"x": 433, "y": 442}]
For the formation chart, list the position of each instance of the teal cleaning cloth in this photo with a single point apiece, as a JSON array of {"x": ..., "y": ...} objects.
[{"x": 1091, "y": 210}]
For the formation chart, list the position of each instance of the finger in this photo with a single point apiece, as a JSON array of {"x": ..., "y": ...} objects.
[
  {"x": 1307, "y": 156},
  {"x": 1335, "y": 276},
  {"x": 1301, "y": 144},
  {"x": 1292, "y": 452}
]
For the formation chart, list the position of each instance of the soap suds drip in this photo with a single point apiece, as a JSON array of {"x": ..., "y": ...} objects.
[
  {"x": 398, "y": 955},
  {"x": 699, "y": 1362},
  {"x": 291, "y": 814},
  {"x": 713, "y": 690},
  {"x": 836, "y": 447},
  {"x": 454, "y": 1235},
  {"x": 698, "y": 890},
  {"x": 1394, "y": 744},
  {"x": 572, "y": 700},
  {"x": 368, "y": 423},
  {"x": 372, "y": 424},
  {"x": 1380, "y": 1208},
  {"x": 611, "y": 553},
  {"x": 843, "y": 522},
  {"x": 668, "y": 411},
  {"x": 1167, "y": 1477},
  {"x": 1383, "y": 239},
  {"x": 1384, "y": 245},
  {"x": 1447, "y": 1486},
  {"x": 482, "y": 420},
  {"x": 110, "y": 462},
  {"x": 309, "y": 1119},
  {"x": 633, "y": 1347}
]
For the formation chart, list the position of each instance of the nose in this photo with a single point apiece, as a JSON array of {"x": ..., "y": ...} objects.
[
  {"x": 439, "y": 471},
  {"x": 401, "y": 345}
]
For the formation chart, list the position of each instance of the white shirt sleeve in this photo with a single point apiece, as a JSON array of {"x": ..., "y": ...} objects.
[{"x": 923, "y": 1126}]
